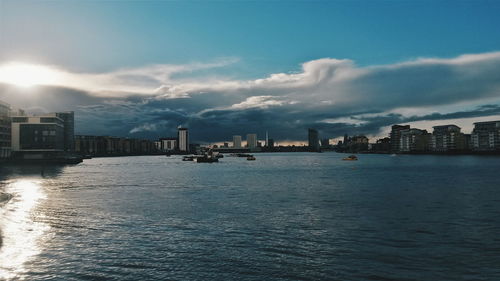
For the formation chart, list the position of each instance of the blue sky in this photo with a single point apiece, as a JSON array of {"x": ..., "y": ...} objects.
[
  {"x": 268, "y": 36},
  {"x": 246, "y": 41}
]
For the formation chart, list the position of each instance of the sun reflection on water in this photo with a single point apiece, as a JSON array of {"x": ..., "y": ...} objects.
[{"x": 21, "y": 235}]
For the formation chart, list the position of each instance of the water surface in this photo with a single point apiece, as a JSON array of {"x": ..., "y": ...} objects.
[{"x": 288, "y": 216}]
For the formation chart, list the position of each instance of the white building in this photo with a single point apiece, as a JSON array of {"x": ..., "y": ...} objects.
[
  {"x": 236, "y": 141},
  {"x": 252, "y": 141},
  {"x": 486, "y": 136},
  {"x": 183, "y": 139},
  {"x": 168, "y": 144},
  {"x": 448, "y": 138},
  {"x": 158, "y": 145}
]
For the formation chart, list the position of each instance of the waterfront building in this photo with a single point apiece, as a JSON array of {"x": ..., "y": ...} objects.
[
  {"x": 168, "y": 144},
  {"x": 86, "y": 145},
  {"x": 358, "y": 143},
  {"x": 5, "y": 128},
  {"x": 183, "y": 140},
  {"x": 382, "y": 145},
  {"x": 448, "y": 138},
  {"x": 236, "y": 141},
  {"x": 251, "y": 141},
  {"x": 108, "y": 146},
  {"x": 34, "y": 136},
  {"x": 414, "y": 140},
  {"x": 68, "y": 118},
  {"x": 395, "y": 136},
  {"x": 158, "y": 145},
  {"x": 313, "y": 139},
  {"x": 486, "y": 136}
]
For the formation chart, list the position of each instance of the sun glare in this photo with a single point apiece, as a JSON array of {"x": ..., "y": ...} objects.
[{"x": 27, "y": 75}]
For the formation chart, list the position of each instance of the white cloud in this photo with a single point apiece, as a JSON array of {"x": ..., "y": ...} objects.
[
  {"x": 258, "y": 102},
  {"x": 144, "y": 128}
]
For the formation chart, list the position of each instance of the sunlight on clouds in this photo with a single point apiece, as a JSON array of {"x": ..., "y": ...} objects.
[
  {"x": 27, "y": 75},
  {"x": 146, "y": 80}
]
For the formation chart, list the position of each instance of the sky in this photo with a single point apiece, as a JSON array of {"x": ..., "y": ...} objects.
[{"x": 223, "y": 68}]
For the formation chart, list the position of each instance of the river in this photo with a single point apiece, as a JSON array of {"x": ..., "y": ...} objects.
[{"x": 285, "y": 216}]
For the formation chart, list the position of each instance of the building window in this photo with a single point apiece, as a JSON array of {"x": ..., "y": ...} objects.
[{"x": 19, "y": 119}]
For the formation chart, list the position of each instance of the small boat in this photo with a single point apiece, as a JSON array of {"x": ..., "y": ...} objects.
[
  {"x": 243, "y": 155},
  {"x": 188, "y": 158},
  {"x": 251, "y": 158},
  {"x": 350, "y": 158},
  {"x": 206, "y": 159}
]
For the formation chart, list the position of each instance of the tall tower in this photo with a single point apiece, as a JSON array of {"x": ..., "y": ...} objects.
[
  {"x": 252, "y": 141},
  {"x": 267, "y": 139},
  {"x": 183, "y": 139},
  {"x": 313, "y": 139},
  {"x": 236, "y": 141}
]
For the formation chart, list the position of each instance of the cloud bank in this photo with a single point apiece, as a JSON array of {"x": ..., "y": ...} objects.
[{"x": 334, "y": 95}]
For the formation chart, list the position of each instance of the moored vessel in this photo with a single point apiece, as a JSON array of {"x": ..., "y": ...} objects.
[{"x": 350, "y": 158}]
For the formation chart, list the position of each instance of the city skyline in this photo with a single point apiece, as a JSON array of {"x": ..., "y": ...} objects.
[{"x": 397, "y": 63}]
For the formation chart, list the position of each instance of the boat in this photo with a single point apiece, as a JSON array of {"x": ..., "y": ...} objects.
[
  {"x": 251, "y": 158},
  {"x": 188, "y": 158},
  {"x": 350, "y": 158},
  {"x": 206, "y": 159},
  {"x": 240, "y": 155}
]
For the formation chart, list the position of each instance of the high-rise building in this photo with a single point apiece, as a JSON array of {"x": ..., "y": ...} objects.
[
  {"x": 251, "y": 141},
  {"x": 486, "y": 136},
  {"x": 395, "y": 136},
  {"x": 183, "y": 139},
  {"x": 448, "y": 138},
  {"x": 313, "y": 137},
  {"x": 236, "y": 141},
  {"x": 5, "y": 134}
]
